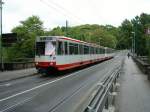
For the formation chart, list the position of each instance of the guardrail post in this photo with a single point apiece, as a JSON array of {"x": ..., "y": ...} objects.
[
  {"x": 111, "y": 97},
  {"x": 107, "y": 104}
]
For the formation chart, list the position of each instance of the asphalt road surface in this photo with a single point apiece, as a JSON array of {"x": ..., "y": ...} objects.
[{"x": 64, "y": 93}]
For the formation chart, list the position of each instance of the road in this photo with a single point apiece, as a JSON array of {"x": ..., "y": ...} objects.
[{"x": 64, "y": 93}]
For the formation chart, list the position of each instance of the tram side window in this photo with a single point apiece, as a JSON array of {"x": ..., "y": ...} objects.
[
  {"x": 108, "y": 51},
  {"x": 86, "y": 49},
  {"x": 80, "y": 49},
  {"x": 91, "y": 49},
  {"x": 66, "y": 48},
  {"x": 100, "y": 51},
  {"x": 60, "y": 48},
  {"x": 76, "y": 49},
  {"x": 71, "y": 48},
  {"x": 103, "y": 50},
  {"x": 96, "y": 50}
]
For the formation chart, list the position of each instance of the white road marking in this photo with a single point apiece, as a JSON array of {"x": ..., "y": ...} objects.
[
  {"x": 8, "y": 84},
  {"x": 26, "y": 91},
  {"x": 34, "y": 88}
]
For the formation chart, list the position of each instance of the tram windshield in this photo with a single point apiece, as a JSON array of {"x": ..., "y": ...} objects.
[{"x": 45, "y": 48}]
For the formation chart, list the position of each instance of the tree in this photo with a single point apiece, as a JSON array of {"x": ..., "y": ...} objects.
[
  {"x": 124, "y": 35},
  {"x": 104, "y": 35},
  {"x": 139, "y": 27},
  {"x": 56, "y": 32},
  {"x": 26, "y": 33},
  {"x": 145, "y": 25}
]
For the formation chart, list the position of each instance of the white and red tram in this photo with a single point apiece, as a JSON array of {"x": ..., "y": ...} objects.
[{"x": 62, "y": 53}]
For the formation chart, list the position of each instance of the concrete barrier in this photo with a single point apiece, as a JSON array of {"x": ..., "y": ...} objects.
[
  {"x": 17, "y": 65},
  {"x": 143, "y": 65}
]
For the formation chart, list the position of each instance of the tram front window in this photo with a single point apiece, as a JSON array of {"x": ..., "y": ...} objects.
[
  {"x": 50, "y": 48},
  {"x": 40, "y": 48},
  {"x": 45, "y": 48}
]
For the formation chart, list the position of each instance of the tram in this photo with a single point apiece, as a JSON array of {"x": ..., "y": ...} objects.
[{"x": 57, "y": 53}]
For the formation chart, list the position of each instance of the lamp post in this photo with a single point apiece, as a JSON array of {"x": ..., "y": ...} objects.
[
  {"x": 133, "y": 43},
  {"x": 1, "y": 47}
]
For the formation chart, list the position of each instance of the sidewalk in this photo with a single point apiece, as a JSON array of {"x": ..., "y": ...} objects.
[
  {"x": 16, "y": 74},
  {"x": 134, "y": 91}
]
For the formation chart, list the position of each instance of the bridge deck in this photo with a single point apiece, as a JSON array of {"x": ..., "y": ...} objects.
[{"x": 134, "y": 91}]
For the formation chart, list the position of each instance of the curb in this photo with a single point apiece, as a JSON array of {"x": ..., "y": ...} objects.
[{"x": 16, "y": 78}]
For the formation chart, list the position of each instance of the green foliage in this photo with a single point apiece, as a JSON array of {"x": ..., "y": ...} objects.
[
  {"x": 139, "y": 27},
  {"x": 103, "y": 35},
  {"x": 33, "y": 26},
  {"x": 56, "y": 32},
  {"x": 26, "y": 33},
  {"x": 109, "y": 36},
  {"x": 136, "y": 26},
  {"x": 124, "y": 36}
]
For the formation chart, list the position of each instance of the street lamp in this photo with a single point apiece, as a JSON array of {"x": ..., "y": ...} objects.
[
  {"x": 1, "y": 47},
  {"x": 133, "y": 43}
]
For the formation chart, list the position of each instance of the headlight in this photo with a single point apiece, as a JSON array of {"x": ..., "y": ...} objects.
[
  {"x": 36, "y": 63},
  {"x": 51, "y": 63}
]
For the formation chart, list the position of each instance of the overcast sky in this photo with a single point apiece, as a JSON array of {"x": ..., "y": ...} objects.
[{"x": 54, "y": 12}]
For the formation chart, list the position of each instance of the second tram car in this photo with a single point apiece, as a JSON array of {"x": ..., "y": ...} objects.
[{"x": 57, "y": 53}]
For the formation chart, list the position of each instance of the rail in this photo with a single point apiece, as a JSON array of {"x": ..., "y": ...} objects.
[{"x": 105, "y": 92}]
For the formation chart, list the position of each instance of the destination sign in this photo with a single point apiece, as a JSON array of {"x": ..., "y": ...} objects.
[{"x": 46, "y": 38}]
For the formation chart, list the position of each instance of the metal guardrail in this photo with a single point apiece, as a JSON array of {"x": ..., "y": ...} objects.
[{"x": 105, "y": 89}]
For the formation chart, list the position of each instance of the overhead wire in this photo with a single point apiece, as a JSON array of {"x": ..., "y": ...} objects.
[
  {"x": 59, "y": 10},
  {"x": 67, "y": 11}
]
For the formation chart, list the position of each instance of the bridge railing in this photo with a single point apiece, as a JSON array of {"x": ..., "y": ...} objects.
[{"x": 106, "y": 93}]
